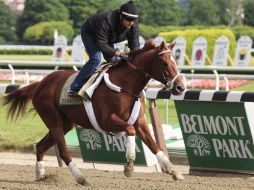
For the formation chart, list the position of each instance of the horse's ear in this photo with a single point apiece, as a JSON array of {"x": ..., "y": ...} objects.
[
  {"x": 149, "y": 43},
  {"x": 172, "y": 45},
  {"x": 162, "y": 45}
]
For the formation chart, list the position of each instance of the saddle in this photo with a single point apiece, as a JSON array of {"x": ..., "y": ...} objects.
[{"x": 91, "y": 84}]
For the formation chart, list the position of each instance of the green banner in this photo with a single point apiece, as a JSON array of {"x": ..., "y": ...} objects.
[
  {"x": 217, "y": 135},
  {"x": 97, "y": 147}
]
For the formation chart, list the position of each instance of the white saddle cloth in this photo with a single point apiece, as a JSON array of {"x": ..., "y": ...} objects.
[{"x": 89, "y": 107}]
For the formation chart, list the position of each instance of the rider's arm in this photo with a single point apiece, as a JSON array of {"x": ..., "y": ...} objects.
[
  {"x": 102, "y": 40},
  {"x": 133, "y": 37}
]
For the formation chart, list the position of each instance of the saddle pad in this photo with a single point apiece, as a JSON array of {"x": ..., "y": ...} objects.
[{"x": 66, "y": 100}]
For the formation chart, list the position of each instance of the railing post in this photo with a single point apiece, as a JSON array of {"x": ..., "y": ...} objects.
[
  {"x": 12, "y": 74},
  {"x": 59, "y": 160},
  {"x": 157, "y": 127},
  {"x": 217, "y": 80},
  {"x": 226, "y": 83}
]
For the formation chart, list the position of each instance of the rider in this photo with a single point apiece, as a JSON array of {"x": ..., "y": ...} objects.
[{"x": 100, "y": 32}]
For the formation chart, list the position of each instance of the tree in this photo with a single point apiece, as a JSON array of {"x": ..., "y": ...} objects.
[
  {"x": 248, "y": 12},
  {"x": 7, "y": 23},
  {"x": 157, "y": 12},
  {"x": 200, "y": 12},
  {"x": 223, "y": 11},
  {"x": 91, "y": 138},
  {"x": 43, "y": 10},
  {"x": 235, "y": 12},
  {"x": 81, "y": 10},
  {"x": 111, "y": 5},
  {"x": 199, "y": 144},
  {"x": 42, "y": 33}
]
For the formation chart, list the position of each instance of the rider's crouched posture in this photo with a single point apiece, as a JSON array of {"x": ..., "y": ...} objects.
[{"x": 100, "y": 32}]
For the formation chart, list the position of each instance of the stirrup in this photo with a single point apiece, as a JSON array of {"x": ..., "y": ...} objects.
[{"x": 72, "y": 93}]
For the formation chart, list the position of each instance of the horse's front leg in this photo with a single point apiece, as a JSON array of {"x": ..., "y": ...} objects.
[
  {"x": 143, "y": 132},
  {"x": 130, "y": 151}
]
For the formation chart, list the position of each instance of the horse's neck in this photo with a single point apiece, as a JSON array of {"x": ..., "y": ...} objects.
[
  {"x": 127, "y": 78},
  {"x": 130, "y": 79}
]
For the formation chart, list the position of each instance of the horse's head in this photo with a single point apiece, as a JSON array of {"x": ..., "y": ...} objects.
[
  {"x": 167, "y": 71},
  {"x": 158, "y": 63}
]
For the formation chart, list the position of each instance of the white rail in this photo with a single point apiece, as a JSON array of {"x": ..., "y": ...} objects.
[
  {"x": 40, "y": 63},
  {"x": 216, "y": 70}
]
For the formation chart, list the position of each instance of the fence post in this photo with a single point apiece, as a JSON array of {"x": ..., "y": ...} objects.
[
  {"x": 59, "y": 160},
  {"x": 157, "y": 127}
]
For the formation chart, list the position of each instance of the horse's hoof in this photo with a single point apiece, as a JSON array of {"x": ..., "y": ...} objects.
[
  {"x": 129, "y": 169},
  {"x": 40, "y": 178},
  {"x": 177, "y": 175},
  {"x": 82, "y": 181}
]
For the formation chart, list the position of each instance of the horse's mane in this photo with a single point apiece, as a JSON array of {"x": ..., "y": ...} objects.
[{"x": 148, "y": 45}]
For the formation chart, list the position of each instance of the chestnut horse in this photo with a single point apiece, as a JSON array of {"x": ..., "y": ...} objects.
[{"x": 112, "y": 109}]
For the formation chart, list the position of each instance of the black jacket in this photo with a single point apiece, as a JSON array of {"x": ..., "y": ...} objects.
[{"x": 106, "y": 29}]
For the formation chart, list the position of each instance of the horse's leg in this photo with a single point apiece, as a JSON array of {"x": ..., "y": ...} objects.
[
  {"x": 43, "y": 145},
  {"x": 41, "y": 148},
  {"x": 130, "y": 145},
  {"x": 54, "y": 121},
  {"x": 143, "y": 132},
  {"x": 130, "y": 151}
]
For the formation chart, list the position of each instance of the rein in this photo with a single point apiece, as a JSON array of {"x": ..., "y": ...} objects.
[{"x": 167, "y": 82}]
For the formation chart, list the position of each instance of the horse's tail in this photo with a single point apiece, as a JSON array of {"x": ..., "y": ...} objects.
[{"x": 18, "y": 101}]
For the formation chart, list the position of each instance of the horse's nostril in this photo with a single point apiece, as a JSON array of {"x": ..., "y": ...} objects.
[{"x": 179, "y": 88}]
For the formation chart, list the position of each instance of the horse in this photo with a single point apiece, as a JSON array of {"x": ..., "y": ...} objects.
[{"x": 111, "y": 109}]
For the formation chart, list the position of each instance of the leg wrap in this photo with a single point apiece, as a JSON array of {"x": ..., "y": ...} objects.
[
  {"x": 130, "y": 148},
  {"x": 164, "y": 162},
  {"x": 75, "y": 171},
  {"x": 40, "y": 171}
]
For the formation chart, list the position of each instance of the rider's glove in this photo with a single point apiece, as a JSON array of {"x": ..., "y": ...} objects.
[{"x": 123, "y": 57}]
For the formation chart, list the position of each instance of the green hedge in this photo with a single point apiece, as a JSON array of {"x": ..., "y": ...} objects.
[
  {"x": 148, "y": 31},
  {"x": 43, "y": 33},
  {"x": 210, "y": 34},
  {"x": 243, "y": 31},
  {"x": 2, "y": 40},
  {"x": 28, "y": 51}
]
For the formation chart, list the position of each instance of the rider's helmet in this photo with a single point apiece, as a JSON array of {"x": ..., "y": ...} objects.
[{"x": 129, "y": 11}]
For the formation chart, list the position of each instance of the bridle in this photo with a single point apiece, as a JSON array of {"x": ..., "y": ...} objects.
[{"x": 166, "y": 81}]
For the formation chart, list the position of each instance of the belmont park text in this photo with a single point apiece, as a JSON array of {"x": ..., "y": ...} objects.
[{"x": 224, "y": 126}]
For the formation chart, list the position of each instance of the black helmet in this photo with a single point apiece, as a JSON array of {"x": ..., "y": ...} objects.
[{"x": 129, "y": 11}]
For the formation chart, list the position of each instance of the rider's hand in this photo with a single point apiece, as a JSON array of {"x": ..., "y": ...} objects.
[
  {"x": 121, "y": 56},
  {"x": 118, "y": 53}
]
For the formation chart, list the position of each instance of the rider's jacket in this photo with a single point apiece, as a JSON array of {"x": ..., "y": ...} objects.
[{"x": 106, "y": 29}]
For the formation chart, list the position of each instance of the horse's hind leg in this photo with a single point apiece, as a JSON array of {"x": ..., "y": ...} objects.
[
  {"x": 143, "y": 132},
  {"x": 53, "y": 119},
  {"x": 43, "y": 145}
]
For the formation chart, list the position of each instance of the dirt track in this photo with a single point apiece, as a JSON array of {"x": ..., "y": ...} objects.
[{"x": 22, "y": 177}]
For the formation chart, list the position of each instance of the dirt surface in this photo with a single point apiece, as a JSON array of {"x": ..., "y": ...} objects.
[
  {"x": 23, "y": 177},
  {"x": 17, "y": 172}
]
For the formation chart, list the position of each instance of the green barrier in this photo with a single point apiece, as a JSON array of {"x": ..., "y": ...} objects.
[
  {"x": 98, "y": 147},
  {"x": 217, "y": 127},
  {"x": 218, "y": 135}
]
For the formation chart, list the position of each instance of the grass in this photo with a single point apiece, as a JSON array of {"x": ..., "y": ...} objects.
[
  {"x": 26, "y": 57},
  {"x": 20, "y": 135}
]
